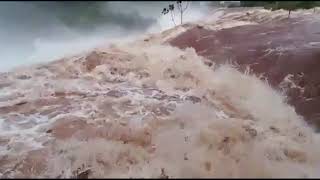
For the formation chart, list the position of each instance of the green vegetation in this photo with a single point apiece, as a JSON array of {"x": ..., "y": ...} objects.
[{"x": 287, "y": 5}]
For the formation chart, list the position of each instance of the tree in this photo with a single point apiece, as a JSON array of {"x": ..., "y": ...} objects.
[
  {"x": 287, "y": 5},
  {"x": 293, "y": 5},
  {"x": 182, "y": 7},
  {"x": 167, "y": 10},
  {"x": 171, "y": 9},
  {"x": 255, "y": 3}
]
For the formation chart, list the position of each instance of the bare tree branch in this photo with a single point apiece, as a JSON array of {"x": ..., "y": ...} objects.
[
  {"x": 172, "y": 18},
  {"x": 180, "y": 8},
  {"x": 187, "y": 4}
]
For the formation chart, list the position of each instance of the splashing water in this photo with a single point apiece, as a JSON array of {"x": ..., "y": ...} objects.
[{"x": 144, "y": 109}]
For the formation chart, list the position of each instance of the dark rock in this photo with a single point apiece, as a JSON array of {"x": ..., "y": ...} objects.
[
  {"x": 226, "y": 139},
  {"x": 173, "y": 98},
  {"x": 84, "y": 174},
  {"x": 199, "y": 26},
  {"x": 274, "y": 129},
  {"x": 49, "y": 131},
  {"x": 23, "y": 77},
  {"x": 252, "y": 132},
  {"x": 21, "y": 103},
  {"x": 209, "y": 64},
  {"x": 194, "y": 99},
  {"x": 160, "y": 96},
  {"x": 185, "y": 157},
  {"x": 163, "y": 175}
]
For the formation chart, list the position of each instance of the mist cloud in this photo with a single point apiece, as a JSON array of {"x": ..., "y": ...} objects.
[{"x": 33, "y": 32}]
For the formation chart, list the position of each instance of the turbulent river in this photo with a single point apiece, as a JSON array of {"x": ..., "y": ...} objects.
[{"x": 148, "y": 109}]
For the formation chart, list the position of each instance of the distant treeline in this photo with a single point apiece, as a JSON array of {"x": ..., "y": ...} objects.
[{"x": 288, "y": 5}]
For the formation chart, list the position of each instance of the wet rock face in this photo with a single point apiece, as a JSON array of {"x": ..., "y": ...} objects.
[{"x": 274, "y": 49}]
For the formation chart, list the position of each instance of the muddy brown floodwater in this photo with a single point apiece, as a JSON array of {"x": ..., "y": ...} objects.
[
  {"x": 278, "y": 50},
  {"x": 148, "y": 109}
]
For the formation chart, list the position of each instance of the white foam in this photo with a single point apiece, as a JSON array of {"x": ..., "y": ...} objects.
[
  {"x": 19, "y": 132},
  {"x": 253, "y": 146}
]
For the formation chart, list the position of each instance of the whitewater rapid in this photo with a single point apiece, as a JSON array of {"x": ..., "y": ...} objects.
[{"x": 147, "y": 109}]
